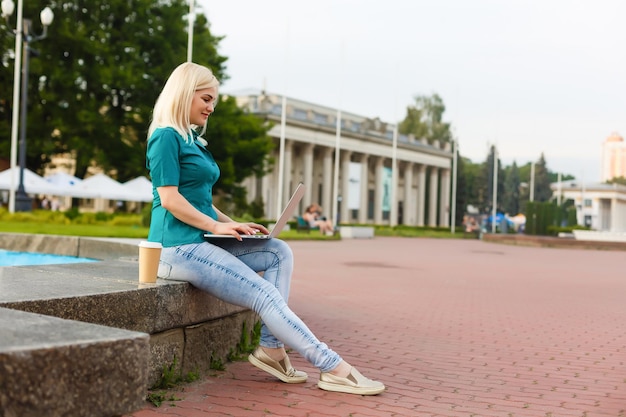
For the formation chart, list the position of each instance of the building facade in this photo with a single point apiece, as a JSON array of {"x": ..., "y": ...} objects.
[
  {"x": 361, "y": 173},
  {"x": 601, "y": 207},
  {"x": 613, "y": 157}
]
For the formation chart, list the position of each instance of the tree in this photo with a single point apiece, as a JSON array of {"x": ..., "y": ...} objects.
[
  {"x": 617, "y": 180},
  {"x": 543, "y": 192},
  {"x": 470, "y": 174},
  {"x": 487, "y": 180},
  {"x": 95, "y": 81},
  {"x": 425, "y": 120},
  {"x": 511, "y": 197},
  {"x": 240, "y": 144}
]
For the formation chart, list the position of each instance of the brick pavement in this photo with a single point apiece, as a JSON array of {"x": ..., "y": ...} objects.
[{"x": 452, "y": 327}]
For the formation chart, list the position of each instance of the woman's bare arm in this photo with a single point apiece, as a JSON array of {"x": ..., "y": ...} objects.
[{"x": 175, "y": 203}]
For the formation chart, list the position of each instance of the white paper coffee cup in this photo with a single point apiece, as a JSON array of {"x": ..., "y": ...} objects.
[{"x": 149, "y": 256}]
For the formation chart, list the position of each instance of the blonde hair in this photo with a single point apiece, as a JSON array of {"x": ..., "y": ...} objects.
[{"x": 173, "y": 104}]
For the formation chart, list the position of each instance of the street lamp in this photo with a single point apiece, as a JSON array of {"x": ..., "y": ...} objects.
[{"x": 22, "y": 201}]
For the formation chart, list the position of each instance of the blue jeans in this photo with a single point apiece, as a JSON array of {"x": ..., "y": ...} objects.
[{"x": 229, "y": 270}]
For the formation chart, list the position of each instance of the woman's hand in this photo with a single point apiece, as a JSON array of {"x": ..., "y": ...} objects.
[{"x": 237, "y": 229}]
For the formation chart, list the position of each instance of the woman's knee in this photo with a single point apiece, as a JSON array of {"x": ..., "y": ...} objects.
[{"x": 282, "y": 249}]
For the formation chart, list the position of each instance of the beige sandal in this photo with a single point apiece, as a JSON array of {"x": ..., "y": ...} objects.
[
  {"x": 280, "y": 369},
  {"x": 354, "y": 383}
]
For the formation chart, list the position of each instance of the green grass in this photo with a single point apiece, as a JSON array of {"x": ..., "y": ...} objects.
[
  {"x": 92, "y": 230},
  {"x": 130, "y": 226},
  {"x": 404, "y": 231},
  {"x": 313, "y": 235}
]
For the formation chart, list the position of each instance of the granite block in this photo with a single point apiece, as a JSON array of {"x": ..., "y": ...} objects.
[
  {"x": 166, "y": 351},
  {"x": 187, "y": 326},
  {"x": 50, "y": 244},
  {"x": 108, "y": 293},
  {"x": 55, "y": 367},
  {"x": 215, "y": 340}
]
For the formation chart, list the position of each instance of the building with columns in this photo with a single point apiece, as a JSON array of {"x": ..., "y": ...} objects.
[{"x": 367, "y": 190}]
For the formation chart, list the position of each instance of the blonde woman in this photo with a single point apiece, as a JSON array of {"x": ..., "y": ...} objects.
[{"x": 183, "y": 174}]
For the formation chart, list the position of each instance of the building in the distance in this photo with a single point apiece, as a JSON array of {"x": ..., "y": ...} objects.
[
  {"x": 367, "y": 190},
  {"x": 613, "y": 157},
  {"x": 599, "y": 206}
]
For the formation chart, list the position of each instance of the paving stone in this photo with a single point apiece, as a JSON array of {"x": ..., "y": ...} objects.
[{"x": 452, "y": 327}]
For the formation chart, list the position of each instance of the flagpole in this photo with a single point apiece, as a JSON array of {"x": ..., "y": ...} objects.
[
  {"x": 336, "y": 172},
  {"x": 495, "y": 190},
  {"x": 283, "y": 128},
  {"x": 393, "y": 204},
  {"x": 17, "y": 71},
  {"x": 532, "y": 181},
  {"x": 281, "y": 157},
  {"x": 454, "y": 174},
  {"x": 335, "y": 208},
  {"x": 190, "y": 21}
]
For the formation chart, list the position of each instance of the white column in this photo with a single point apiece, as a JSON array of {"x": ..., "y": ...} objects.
[
  {"x": 432, "y": 196},
  {"x": 421, "y": 193},
  {"x": 327, "y": 181},
  {"x": 344, "y": 216},
  {"x": 307, "y": 168},
  {"x": 408, "y": 213},
  {"x": 393, "y": 193},
  {"x": 444, "y": 206},
  {"x": 614, "y": 225},
  {"x": 378, "y": 191},
  {"x": 364, "y": 188}
]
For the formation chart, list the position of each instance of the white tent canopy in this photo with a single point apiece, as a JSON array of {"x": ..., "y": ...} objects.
[
  {"x": 33, "y": 183},
  {"x": 63, "y": 179},
  {"x": 141, "y": 187},
  {"x": 102, "y": 186},
  {"x": 96, "y": 186}
]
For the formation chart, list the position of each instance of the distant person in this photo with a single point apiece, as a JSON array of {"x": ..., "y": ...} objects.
[
  {"x": 184, "y": 174},
  {"x": 313, "y": 216},
  {"x": 55, "y": 205},
  {"x": 470, "y": 224}
]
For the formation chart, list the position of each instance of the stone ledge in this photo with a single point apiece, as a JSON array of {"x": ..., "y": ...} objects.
[
  {"x": 356, "y": 232},
  {"x": 551, "y": 242},
  {"x": 186, "y": 326},
  {"x": 84, "y": 247},
  {"x": 55, "y": 367},
  {"x": 108, "y": 293}
]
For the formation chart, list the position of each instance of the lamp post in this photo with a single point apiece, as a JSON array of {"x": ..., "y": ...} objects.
[{"x": 24, "y": 31}]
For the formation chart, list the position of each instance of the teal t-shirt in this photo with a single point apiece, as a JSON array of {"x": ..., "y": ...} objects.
[{"x": 190, "y": 167}]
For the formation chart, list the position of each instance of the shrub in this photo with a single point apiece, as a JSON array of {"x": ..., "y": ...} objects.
[
  {"x": 72, "y": 213},
  {"x": 256, "y": 208},
  {"x": 103, "y": 217},
  {"x": 146, "y": 215},
  {"x": 85, "y": 218},
  {"x": 127, "y": 220}
]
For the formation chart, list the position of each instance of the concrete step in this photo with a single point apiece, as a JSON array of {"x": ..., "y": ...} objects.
[
  {"x": 187, "y": 327},
  {"x": 55, "y": 367}
]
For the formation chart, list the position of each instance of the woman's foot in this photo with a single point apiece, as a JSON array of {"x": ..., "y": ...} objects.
[
  {"x": 280, "y": 368},
  {"x": 345, "y": 378}
]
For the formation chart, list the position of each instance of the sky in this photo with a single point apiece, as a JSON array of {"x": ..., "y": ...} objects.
[{"x": 531, "y": 77}]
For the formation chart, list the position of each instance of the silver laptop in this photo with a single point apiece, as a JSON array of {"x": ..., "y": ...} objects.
[{"x": 280, "y": 223}]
